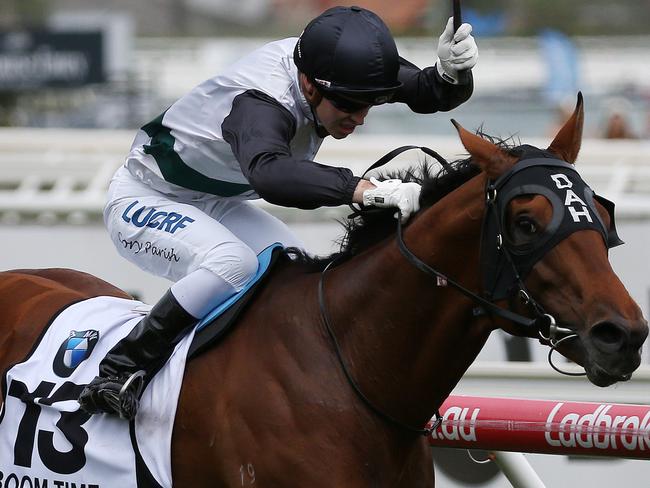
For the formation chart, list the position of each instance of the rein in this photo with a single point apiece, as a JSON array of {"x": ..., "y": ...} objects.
[
  {"x": 366, "y": 401},
  {"x": 537, "y": 323},
  {"x": 542, "y": 320},
  {"x": 328, "y": 326},
  {"x": 556, "y": 335}
]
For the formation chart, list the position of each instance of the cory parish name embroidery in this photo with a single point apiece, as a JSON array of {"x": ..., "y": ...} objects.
[{"x": 149, "y": 247}]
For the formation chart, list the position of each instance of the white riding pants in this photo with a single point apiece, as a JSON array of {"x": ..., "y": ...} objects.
[{"x": 207, "y": 244}]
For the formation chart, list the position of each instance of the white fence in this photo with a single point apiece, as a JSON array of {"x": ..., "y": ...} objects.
[{"x": 46, "y": 173}]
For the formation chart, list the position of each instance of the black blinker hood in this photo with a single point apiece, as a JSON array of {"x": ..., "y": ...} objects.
[{"x": 574, "y": 209}]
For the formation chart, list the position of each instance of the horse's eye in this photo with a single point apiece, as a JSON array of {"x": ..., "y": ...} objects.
[{"x": 526, "y": 225}]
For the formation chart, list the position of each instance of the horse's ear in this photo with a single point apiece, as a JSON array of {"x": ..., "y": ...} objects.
[
  {"x": 567, "y": 141},
  {"x": 493, "y": 160}
]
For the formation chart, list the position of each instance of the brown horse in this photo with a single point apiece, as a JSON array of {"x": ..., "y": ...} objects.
[{"x": 273, "y": 405}]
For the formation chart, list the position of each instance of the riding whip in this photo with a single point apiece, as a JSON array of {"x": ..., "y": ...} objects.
[{"x": 463, "y": 75}]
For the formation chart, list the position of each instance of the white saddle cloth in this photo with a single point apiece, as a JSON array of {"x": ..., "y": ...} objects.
[{"x": 45, "y": 440}]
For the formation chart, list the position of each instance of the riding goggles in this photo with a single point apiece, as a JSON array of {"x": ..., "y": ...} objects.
[
  {"x": 354, "y": 103},
  {"x": 347, "y": 105}
]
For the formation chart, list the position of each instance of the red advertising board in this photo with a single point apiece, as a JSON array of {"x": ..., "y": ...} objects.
[{"x": 543, "y": 426}]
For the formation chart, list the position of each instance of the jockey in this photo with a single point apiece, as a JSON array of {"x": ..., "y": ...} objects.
[{"x": 179, "y": 206}]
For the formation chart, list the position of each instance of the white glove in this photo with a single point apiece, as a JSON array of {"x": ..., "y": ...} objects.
[
  {"x": 456, "y": 51},
  {"x": 394, "y": 193}
]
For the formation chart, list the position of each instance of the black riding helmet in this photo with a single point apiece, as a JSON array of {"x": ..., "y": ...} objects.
[{"x": 350, "y": 56}]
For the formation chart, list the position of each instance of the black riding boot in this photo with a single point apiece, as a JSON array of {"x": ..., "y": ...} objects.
[{"x": 132, "y": 363}]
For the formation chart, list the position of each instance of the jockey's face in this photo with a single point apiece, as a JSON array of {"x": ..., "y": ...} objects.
[{"x": 339, "y": 124}]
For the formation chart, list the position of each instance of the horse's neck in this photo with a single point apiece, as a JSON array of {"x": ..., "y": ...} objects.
[{"x": 409, "y": 340}]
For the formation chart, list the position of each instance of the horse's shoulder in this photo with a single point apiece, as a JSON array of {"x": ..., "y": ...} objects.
[
  {"x": 289, "y": 275},
  {"x": 65, "y": 280},
  {"x": 30, "y": 298}
]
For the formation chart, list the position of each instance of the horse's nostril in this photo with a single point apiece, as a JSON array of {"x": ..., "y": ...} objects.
[{"x": 608, "y": 337}]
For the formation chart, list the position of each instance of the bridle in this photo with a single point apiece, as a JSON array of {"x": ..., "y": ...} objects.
[{"x": 509, "y": 261}]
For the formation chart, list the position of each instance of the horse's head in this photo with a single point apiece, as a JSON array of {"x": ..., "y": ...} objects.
[{"x": 547, "y": 239}]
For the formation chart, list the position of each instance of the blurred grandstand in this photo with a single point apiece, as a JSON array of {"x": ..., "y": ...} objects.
[{"x": 152, "y": 51}]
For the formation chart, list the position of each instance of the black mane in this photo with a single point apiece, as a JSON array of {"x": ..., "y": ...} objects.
[{"x": 375, "y": 224}]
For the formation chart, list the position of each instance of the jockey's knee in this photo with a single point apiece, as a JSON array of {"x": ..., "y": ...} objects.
[{"x": 235, "y": 263}]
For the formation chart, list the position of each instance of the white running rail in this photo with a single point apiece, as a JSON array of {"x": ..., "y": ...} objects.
[{"x": 62, "y": 174}]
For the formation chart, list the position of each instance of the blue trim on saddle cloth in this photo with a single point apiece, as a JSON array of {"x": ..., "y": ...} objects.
[{"x": 264, "y": 259}]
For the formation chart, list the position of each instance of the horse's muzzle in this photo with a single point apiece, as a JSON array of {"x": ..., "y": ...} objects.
[{"x": 614, "y": 350}]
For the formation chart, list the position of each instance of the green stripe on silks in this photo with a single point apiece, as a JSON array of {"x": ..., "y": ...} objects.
[{"x": 174, "y": 169}]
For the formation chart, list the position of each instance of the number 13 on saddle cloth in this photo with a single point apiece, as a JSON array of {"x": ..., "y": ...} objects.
[{"x": 47, "y": 441}]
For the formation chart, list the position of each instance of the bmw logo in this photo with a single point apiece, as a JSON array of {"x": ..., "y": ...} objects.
[{"x": 73, "y": 351}]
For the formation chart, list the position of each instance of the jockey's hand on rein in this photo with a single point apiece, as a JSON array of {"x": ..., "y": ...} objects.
[
  {"x": 394, "y": 193},
  {"x": 457, "y": 51}
]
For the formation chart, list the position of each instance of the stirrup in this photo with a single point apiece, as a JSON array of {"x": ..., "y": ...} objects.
[
  {"x": 128, "y": 399},
  {"x": 117, "y": 396},
  {"x": 136, "y": 379}
]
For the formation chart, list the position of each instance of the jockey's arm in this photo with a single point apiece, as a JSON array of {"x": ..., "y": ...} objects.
[
  {"x": 259, "y": 131},
  {"x": 362, "y": 186},
  {"x": 439, "y": 87},
  {"x": 425, "y": 91}
]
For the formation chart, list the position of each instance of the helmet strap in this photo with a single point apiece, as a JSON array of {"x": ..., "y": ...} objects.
[
  {"x": 309, "y": 90},
  {"x": 314, "y": 98},
  {"x": 321, "y": 131}
]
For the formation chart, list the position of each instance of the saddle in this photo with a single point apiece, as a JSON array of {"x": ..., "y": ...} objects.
[{"x": 222, "y": 319}]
